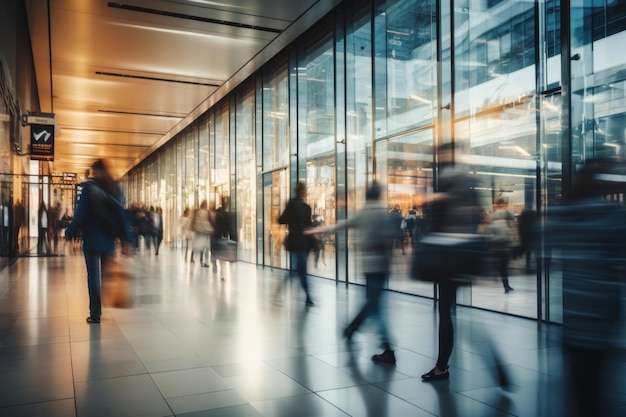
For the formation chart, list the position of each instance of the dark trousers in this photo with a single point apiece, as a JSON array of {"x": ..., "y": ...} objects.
[
  {"x": 299, "y": 267},
  {"x": 588, "y": 370},
  {"x": 374, "y": 290},
  {"x": 447, "y": 298},
  {"x": 95, "y": 263}
]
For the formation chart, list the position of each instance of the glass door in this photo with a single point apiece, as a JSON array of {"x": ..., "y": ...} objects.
[{"x": 275, "y": 198}]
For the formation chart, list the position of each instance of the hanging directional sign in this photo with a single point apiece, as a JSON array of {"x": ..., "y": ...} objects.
[{"x": 42, "y": 142}]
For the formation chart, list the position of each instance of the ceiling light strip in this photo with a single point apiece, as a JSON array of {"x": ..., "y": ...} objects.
[
  {"x": 190, "y": 17},
  {"x": 130, "y": 113},
  {"x": 131, "y": 132},
  {"x": 167, "y": 80}
]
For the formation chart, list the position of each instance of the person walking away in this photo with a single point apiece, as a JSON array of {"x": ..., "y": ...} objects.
[
  {"x": 395, "y": 225},
  {"x": 375, "y": 257},
  {"x": 225, "y": 228},
  {"x": 43, "y": 248},
  {"x": 297, "y": 216},
  {"x": 202, "y": 227},
  {"x": 527, "y": 231},
  {"x": 501, "y": 232},
  {"x": 185, "y": 232},
  {"x": 101, "y": 219}
]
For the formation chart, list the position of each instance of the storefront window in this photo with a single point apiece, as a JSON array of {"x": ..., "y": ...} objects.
[
  {"x": 316, "y": 147},
  {"x": 406, "y": 63},
  {"x": 245, "y": 155},
  {"x": 220, "y": 171},
  {"x": 276, "y": 117}
]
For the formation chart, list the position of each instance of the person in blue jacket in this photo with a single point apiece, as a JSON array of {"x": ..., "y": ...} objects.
[{"x": 101, "y": 218}]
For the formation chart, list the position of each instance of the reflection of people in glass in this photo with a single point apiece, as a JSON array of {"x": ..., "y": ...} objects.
[
  {"x": 375, "y": 240},
  {"x": 591, "y": 235},
  {"x": 297, "y": 216}
]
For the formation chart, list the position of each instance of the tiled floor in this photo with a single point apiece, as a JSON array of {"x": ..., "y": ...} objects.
[{"x": 196, "y": 345}]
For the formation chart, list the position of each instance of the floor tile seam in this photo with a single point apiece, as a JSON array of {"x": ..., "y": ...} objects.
[
  {"x": 204, "y": 393},
  {"x": 69, "y": 330},
  {"x": 502, "y": 393},
  {"x": 38, "y": 402},
  {"x": 375, "y": 385}
]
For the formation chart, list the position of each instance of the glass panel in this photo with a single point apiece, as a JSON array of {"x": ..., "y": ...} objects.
[
  {"x": 275, "y": 198},
  {"x": 276, "y": 117},
  {"x": 203, "y": 158},
  {"x": 407, "y": 41},
  {"x": 359, "y": 122},
  {"x": 316, "y": 95},
  {"x": 220, "y": 171},
  {"x": 495, "y": 132},
  {"x": 246, "y": 176},
  {"x": 408, "y": 166}
]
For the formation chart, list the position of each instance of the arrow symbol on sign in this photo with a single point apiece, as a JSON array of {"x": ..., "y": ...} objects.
[{"x": 37, "y": 136}]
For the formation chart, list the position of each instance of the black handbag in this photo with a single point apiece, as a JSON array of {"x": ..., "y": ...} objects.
[{"x": 455, "y": 256}]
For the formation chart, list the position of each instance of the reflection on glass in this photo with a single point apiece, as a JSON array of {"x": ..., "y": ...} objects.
[
  {"x": 407, "y": 164},
  {"x": 276, "y": 117},
  {"x": 407, "y": 38},
  {"x": 275, "y": 198},
  {"x": 316, "y": 93},
  {"x": 245, "y": 171}
]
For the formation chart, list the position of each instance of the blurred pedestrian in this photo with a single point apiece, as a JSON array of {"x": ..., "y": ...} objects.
[
  {"x": 375, "y": 240},
  {"x": 101, "y": 218},
  {"x": 590, "y": 233},
  {"x": 43, "y": 248},
  {"x": 202, "y": 226},
  {"x": 224, "y": 242},
  {"x": 185, "y": 232},
  {"x": 502, "y": 237},
  {"x": 527, "y": 231},
  {"x": 297, "y": 216},
  {"x": 395, "y": 226},
  {"x": 454, "y": 213}
]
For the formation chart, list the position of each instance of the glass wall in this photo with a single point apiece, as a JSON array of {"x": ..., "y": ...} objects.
[
  {"x": 372, "y": 89},
  {"x": 317, "y": 140},
  {"x": 246, "y": 174}
]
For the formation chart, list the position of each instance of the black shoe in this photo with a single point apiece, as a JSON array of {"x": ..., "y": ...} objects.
[
  {"x": 508, "y": 290},
  {"x": 309, "y": 303},
  {"x": 431, "y": 376},
  {"x": 386, "y": 357},
  {"x": 93, "y": 320}
]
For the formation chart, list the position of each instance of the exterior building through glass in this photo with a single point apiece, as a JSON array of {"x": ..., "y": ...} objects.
[{"x": 526, "y": 91}]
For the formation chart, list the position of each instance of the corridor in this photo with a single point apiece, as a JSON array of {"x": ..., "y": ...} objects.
[{"x": 196, "y": 345}]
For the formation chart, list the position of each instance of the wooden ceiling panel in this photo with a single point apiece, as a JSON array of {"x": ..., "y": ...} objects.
[{"x": 123, "y": 77}]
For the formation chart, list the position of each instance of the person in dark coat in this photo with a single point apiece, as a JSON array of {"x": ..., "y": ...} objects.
[
  {"x": 590, "y": 233},
  {"x": 454, "y": 211},
  {"x": 101, "y": 218},
  {"x": 297, "y": 216}
]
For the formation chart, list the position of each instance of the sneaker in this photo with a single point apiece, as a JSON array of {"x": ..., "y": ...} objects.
[
  {"x": 386, "y": 357},
  {"x": 93, "y": 320}
]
